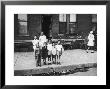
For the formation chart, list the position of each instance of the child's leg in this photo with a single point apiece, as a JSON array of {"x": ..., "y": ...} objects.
[
  {"x": 52, "y": 58},
  {"x": 88, "y": 47},
  {"x": 55, "y": 59}
]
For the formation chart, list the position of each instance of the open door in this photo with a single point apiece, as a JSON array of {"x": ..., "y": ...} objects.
[{"x": 46, "y": 24}]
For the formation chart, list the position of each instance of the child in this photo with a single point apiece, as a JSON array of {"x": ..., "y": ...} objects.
[
  {"x": 44, "y": 53},
  {"x": 38, "y": 56},
  {"x": 54, "y": 51},
  {"x": 49, "y": 48},
  {"x": 90, "y": 43},
  {"x": 35, "y": 43},
  {"x": 59, "y": 49}
]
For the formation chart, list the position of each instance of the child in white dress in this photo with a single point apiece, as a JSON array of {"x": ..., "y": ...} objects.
[
  {"x": 35, "y": 43},
  {"x": 90, "y": 43},
  {"x": 54, "y": 52},
  {"x": 59, "y": 49},
  {"x": 49, "y": 48}
]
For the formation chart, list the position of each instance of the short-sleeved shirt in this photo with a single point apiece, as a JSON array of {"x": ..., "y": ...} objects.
[
  {"x": 59, "y": 47},
  {"x": 53, "y": 50},
  {"x": 49, "y": 47},
  {"x": 42, "y": 39}
]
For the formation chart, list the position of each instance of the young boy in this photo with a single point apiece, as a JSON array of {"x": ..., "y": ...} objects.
[
  {"x": 49, "y": 48},
  {"x": 44, "y": 53},
  {"x": 54, "y": 52},
  {"x": 38, "y": 56},
  {"x": 59, "y": 49}
]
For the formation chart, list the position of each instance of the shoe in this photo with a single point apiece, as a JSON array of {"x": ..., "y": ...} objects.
[{"x": 92, "y": 52}]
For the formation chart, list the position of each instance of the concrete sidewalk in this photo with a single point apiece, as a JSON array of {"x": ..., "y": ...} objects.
[{"x": 25, "y": 60}]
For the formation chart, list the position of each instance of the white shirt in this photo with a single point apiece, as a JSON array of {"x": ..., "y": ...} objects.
[
  {"x": 59, "y": 47},
  {"x": 35, "y": 42},
  {"x": 53, "y": 50},
  {"x": 42, "y": 39},
  {"x": 49, "y": 47}
]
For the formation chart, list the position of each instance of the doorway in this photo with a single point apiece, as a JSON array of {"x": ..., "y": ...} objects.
[{"x": 46, "y": 24}]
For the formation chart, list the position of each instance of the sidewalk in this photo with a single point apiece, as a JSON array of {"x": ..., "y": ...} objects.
[{"x": 26, "y": 61}]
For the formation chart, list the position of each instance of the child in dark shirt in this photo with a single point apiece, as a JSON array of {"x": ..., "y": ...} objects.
[{"x": 44, "y": 53}]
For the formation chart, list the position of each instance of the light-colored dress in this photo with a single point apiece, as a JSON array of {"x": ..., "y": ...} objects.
[
  {"x": 35, "y": 43},
  {"x": 59, "y": 49},
  {"x": 49, "y": 48},
  {"x": 90, "y": 40}
]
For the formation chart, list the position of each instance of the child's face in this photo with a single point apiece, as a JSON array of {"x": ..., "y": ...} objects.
[
  {"x": 53, "y": 44},
  {"x": 35, "y": 37},
  {"x": 58, "y": 42}
]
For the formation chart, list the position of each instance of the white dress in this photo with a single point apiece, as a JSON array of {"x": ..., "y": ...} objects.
[
  {"x": 59, "y": 49},
  {"x": 90, "y": 40},
  {"x": 35, "y": 43}
]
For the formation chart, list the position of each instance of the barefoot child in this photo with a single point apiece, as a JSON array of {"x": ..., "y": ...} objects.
[
  {"x": 49, "y": 48},
  {"x": 59, "y": 49},
  {"x": 54, "y": 52},
  {"x": 35, "y": 43},
  {"x": 44, "y": 53}
]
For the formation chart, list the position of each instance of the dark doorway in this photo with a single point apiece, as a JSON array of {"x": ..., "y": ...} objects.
[{"x": 46, "y": 24}]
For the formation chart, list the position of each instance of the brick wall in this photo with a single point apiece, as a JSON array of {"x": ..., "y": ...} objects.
[{"x": 35, "y": 26}]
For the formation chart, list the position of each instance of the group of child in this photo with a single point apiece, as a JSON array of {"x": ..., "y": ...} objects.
[{"x": 49, "y": 49}]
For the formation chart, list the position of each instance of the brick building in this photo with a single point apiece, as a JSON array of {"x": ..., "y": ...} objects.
[{"x": 26, "y": 26}]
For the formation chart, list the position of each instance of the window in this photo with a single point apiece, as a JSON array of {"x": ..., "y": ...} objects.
[
  {"x": 94, "y": 22},
  {"x": 94, "y": 18},
  {"x": 22, "y": 25},
  {"x": 62, "y": 17},
  {"x": 72, "y": 17},
  {"x": 62, "y": 23},
  {"x": 72, "y": 23}
]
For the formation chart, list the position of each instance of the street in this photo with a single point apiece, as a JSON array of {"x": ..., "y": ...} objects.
[{"x": 26, "y": 61}]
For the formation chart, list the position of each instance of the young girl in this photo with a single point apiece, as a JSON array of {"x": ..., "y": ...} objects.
[
  {"x": 59, "y": 49},
  {"x": 90, "y": 43},
  {"x": 54, "y": 52},
  {"x": 49, "y": 48},
  {"x": 35, "y": 43}
]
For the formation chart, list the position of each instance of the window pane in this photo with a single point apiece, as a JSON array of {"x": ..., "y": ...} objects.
[
  {"x": 22, "y": 28},
  {"x": 62, "y": 17},
  {"x": 94, "y": 18},
  {"x": 72, "y": 17},
  {"x": 22, "y": 17}
]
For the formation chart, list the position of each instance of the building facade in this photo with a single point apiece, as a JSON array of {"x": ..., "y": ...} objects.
[{"x": 26, "y": 26}]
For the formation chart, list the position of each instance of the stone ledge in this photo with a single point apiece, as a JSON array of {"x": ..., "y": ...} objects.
[{"x": 54, "y": 71}]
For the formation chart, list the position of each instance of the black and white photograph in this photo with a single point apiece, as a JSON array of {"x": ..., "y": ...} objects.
[{"x": 55, "y": 44}]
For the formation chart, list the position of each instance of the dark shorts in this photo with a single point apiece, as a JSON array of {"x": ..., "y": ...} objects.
[
  {"x": 53, "y": 56},
  {"x": 59, "y": 52}
]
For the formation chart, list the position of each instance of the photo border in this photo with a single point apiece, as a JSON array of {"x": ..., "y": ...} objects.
[{"x": 75, "y": 2}]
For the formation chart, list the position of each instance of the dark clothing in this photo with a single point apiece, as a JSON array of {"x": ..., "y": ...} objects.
[
  {"x": 44, "y": 54},
  {"x": 38, "y": 57},
  {"x": 54, "y": 58}
]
